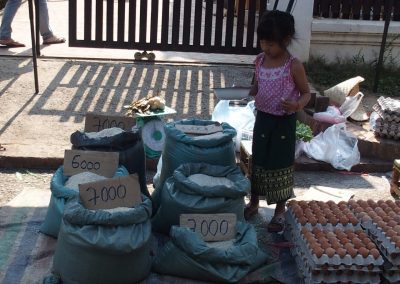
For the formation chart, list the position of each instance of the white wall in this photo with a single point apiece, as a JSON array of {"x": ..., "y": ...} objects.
[
  {"x": 302, "y": 13},
  {"x": 352, "y": 39}
]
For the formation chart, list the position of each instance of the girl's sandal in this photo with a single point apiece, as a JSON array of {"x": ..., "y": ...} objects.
[
  {"x": 250, "y": 211},
  {"x": 276, "y": 225}
]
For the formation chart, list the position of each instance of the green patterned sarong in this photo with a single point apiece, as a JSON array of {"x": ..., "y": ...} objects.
[{"x": 274, "y": 140}]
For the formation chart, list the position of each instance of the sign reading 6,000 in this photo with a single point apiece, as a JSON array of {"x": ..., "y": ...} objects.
[
  {"x": 101, "y": 163},
  {"x": 83, "y": 164},
  {"x": 211, "y": 227}
]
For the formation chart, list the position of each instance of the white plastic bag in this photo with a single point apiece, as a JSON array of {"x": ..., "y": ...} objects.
[
  {"x": 299, "y": 149},
  {"x": 351, "y": 104},
  {"x": 335, "y": 146},
  {"x": 239, "y": 117},
  {"x": 331, "y": 115},
  {"x": 338, "y": 115}
]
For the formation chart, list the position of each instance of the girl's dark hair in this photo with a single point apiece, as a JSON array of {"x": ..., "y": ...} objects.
[{"x": 276, "y": 26}]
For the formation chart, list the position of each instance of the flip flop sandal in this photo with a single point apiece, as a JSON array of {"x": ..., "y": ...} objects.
[
  {"x": 54, "y": 40},
  {"x": 276, "y": 225},
  {"x": 250, "y": 211},
  {"x": 11, "y": 43}
]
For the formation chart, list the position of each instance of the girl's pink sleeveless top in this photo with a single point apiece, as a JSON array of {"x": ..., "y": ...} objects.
[{"x": 274, "y": 85}]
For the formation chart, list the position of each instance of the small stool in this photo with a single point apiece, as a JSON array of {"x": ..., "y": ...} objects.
[
  {"x": 245, "y": 157},
  {"x": 395, "y": 182}
]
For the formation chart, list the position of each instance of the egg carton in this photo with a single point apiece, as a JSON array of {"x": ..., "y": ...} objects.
[
  {"x": 292, "y": 217},
  {"x": 391, "y": 273},
  {"x": 326, "y": 267},
  {"x": 391, "y": 278},
  {"x": 393, "y": 258},
  {"x": 318, "y": 276},
  {"x": 387, "y": 134},
  {"x": 374, "y": 230},
  {"x": 389, "y": 105},
  {"x": 347, "y": 260}
]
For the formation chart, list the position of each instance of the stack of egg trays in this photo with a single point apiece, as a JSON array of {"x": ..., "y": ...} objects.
[
  {"x": 316, "y": 270},
  {"x": 291, "y": 219},
  {"x": 332, "y": 270},
  {"x": 387, "y": 248}
]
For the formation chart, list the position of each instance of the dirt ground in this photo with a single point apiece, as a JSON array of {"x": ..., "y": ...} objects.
[{"x": 373, "y": 186}]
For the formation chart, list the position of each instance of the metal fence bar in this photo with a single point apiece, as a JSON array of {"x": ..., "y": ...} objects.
[
  {"x": 99, "y": 21},
  {"x": 251, "y": 24},
  {"x": 208, "y": 23},
  {"x": 197, "y": 19},
  {"x": 131, "y": 21},
  {"x": 110, "y": 21},
  {"x": 176, "y": 22},
  {"x": 121, "y": 21},
  {"x": 219, "y": 23},
  {"x": 72, "y": 22},
  {"x": 240, "y": 24},
  {"x": 154, "y": 22},
  {"x": 143, "y": 21},
  {"x": 186, "y": 23},
  {"x": 165, "y": 20}
]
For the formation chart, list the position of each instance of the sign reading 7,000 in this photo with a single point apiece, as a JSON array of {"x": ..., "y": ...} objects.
[
  {"x": 211, "y": 227},
  {"x": 97, "y": 122},
  {"x": 111, "y": 193}
]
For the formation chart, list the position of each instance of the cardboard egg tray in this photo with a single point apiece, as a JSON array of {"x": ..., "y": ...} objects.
[
  {"x": 333, "y": 268},
  {"x": 392, "y": 257},
  {"x": 312, "y": 275},
  {"x": 291, "y": 218},
  {"x": 391, "y": 273},
  {"x": 386, "y": 247},
  {"x": 347, "y": 261},
  {"x": 392, "y": 276}
]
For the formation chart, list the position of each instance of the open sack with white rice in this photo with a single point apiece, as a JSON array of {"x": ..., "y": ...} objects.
[
  {"x": 104, "y": 245},
  {"x": 187, "y": 255},
  {"x": 180, "y": 148},
  {"x": 128, "y": 144},
  {"x": 64, "y": 188},
  {"x": 199, "y": 188}
]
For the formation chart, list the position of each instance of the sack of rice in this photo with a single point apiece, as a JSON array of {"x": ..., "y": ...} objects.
[
  {"x": 180, "y": 148},
  {"x": 187, "y": 255},
  {"x": 62, "y": 189},
  {"x": 201, "y": 188},
  {"x": 104, "y": 246},
  {"x": 129, "y": 144}
]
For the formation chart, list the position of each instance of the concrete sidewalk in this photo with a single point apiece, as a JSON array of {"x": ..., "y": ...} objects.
[{"x": 35, "y": 129}]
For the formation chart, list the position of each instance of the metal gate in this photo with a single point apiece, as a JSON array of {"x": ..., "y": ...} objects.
[{"x": 218, "y": 26}]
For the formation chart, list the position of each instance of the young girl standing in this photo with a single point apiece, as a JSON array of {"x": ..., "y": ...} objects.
[{"x": 280, "y": 89}]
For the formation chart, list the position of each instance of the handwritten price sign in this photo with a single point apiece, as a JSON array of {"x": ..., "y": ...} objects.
[
  {"x": 111, "y": 193},
  {"x": 199, "y": 129},
  {"x": 211, "y": 227},
  {"x": 97, "y": 122},
  {"x": 101, "y": 163}
]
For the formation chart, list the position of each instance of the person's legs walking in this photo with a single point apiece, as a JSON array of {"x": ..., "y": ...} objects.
[
  {"x": 8, "y": 16},
  {"x": 44, "y": 24}
]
